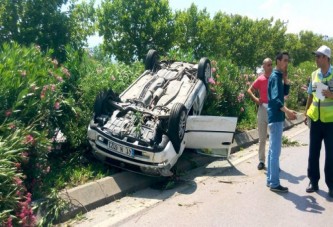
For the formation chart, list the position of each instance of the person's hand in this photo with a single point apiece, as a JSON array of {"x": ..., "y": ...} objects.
[
  {"x": 327, "y": 93},
  {"x": 306, "y": 119},
  {"x": 257, "y": 101},
  {"x": 291, "y": 115},
  {"x": 285, "y": 77}
]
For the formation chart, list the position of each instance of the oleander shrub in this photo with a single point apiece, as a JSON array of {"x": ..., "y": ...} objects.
[
  {"x": 227, "y": 95},
  {"x": 31, "y": 106},
  {"x": 299, "y": 81}
]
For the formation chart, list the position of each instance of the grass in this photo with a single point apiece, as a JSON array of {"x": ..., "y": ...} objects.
[
  {"x": 289, "y": 143},
  {"x": 73, "y": 170}
]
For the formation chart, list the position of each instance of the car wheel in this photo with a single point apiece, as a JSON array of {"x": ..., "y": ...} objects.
[
  {"x": 151, "y": 60},
  {"x": 204, "y": 70},
  {"x": 99, "y": 103},
  {"x": 177, "y": 125},
  {"x": 101, "y": 106}
]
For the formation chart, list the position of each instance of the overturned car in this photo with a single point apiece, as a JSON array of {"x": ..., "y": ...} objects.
[{"x": 147, "y": 127}]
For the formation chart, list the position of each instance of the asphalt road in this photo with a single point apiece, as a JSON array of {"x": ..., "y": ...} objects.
[{"x": 227, "y": 194}]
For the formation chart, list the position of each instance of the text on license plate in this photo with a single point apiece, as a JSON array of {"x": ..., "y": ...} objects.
[{"x": 119, "y": 148}]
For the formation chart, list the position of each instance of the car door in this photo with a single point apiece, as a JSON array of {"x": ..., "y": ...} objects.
[{"x": 213, "y": 135}]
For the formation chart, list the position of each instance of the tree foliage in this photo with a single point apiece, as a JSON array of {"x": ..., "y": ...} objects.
[
  {"x": 44, "y": 23},
  {"x": 132, "y": 27},
  {"x": 191, "y": 27}
]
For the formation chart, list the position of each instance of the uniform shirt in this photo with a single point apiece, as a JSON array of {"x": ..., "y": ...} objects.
[
  {"x": 276, "y": 92},
  {"x": 261, "y": 84},
  {"x": 321, "y": 76}
]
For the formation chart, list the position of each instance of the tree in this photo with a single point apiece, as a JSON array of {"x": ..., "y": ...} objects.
[
  {"x": 82, "y": 22},
  {"x": 302, "y": 45},
  {"x": 44, "y": 23},
  {"x": 192, "y": 27},
  {"x": 245, "y": 41},
  {"x": 132, "y": 27},
  {"x": 10, "y": 13}
]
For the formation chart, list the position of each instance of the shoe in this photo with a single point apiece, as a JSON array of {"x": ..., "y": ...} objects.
[
  {"x": 312, "y": 188},
  {"x": 261, "y": 166},
  {"x": 279, "y": 189},
  {"x": 330, "y": 192}
]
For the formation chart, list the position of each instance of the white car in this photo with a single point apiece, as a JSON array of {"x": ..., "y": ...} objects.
[{"x": 147, "y": 127}]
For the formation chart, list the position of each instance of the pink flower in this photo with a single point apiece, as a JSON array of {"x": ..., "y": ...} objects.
[
  {"x": 55, "y": 63},
  {"x": 56, "y": 105},
  {"x": 53, "y": 87},
  {"x": 240, "y": 97},
  {"x": 8, "y": 113},
  {"x": 12, "y": 126},
  {"x": 29, "y": 139},
  {"x": 60, "y": 79},
  {"x": 242, "y": 109},
  {"x": 9, "y": 222},
  {"x": 17, "y": 165},
  {"x": 213, "y": 70},
  {"x": 18, "y": 181},
  {"x": 211, "y": 80},
  {"x": 66, "y": 71}
]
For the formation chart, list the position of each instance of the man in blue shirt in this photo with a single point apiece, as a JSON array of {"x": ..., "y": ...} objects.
[{"x": 278, "y": 87}]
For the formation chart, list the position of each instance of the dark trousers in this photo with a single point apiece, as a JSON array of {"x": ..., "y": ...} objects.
[{"x": 320, "y": 131}]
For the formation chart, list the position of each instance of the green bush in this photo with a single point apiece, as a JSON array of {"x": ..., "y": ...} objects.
[
  {"x": 228, "y": 93},
  {"x": 32, "y": 105},
  {"x": 299, "y": 78}
]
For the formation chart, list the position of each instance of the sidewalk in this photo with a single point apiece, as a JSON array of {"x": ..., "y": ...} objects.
[{"x": 101, "y": 192}]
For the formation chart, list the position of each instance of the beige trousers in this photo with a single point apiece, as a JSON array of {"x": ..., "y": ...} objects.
[{"x": 262, "y": 119}]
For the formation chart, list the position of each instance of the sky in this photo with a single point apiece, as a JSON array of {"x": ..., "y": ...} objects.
[{"x": 310, "y": 15}]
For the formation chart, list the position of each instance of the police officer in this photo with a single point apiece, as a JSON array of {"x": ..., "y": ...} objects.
[{"x": 319, "y": 108}]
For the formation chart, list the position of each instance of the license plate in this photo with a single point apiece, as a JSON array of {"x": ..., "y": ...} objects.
[{"x": 119, "y": 148}]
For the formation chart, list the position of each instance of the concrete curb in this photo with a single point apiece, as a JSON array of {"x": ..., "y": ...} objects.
[{"x": 95, "y": 194}]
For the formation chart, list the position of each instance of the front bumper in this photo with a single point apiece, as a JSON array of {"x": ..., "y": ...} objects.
[{"x": 132, "y": 157}]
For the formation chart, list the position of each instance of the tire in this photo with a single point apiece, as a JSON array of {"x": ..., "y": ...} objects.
[
  {"x": 177, "y": 125},
  {"x": 151, "y": 60},
  {"x": 101, "y": 103},
  {"x": 204, "y": 70}
]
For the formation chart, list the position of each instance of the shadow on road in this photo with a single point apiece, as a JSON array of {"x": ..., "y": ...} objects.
[
  {"x": 304, "y": 203},
  {"x": 291, "y": 178}
]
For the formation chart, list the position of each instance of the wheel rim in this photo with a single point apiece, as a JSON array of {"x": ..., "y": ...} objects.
[{"x": 182, "y": 124}]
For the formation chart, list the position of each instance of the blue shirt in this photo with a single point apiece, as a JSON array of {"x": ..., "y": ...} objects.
[{"x": 276, "y": 92}]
